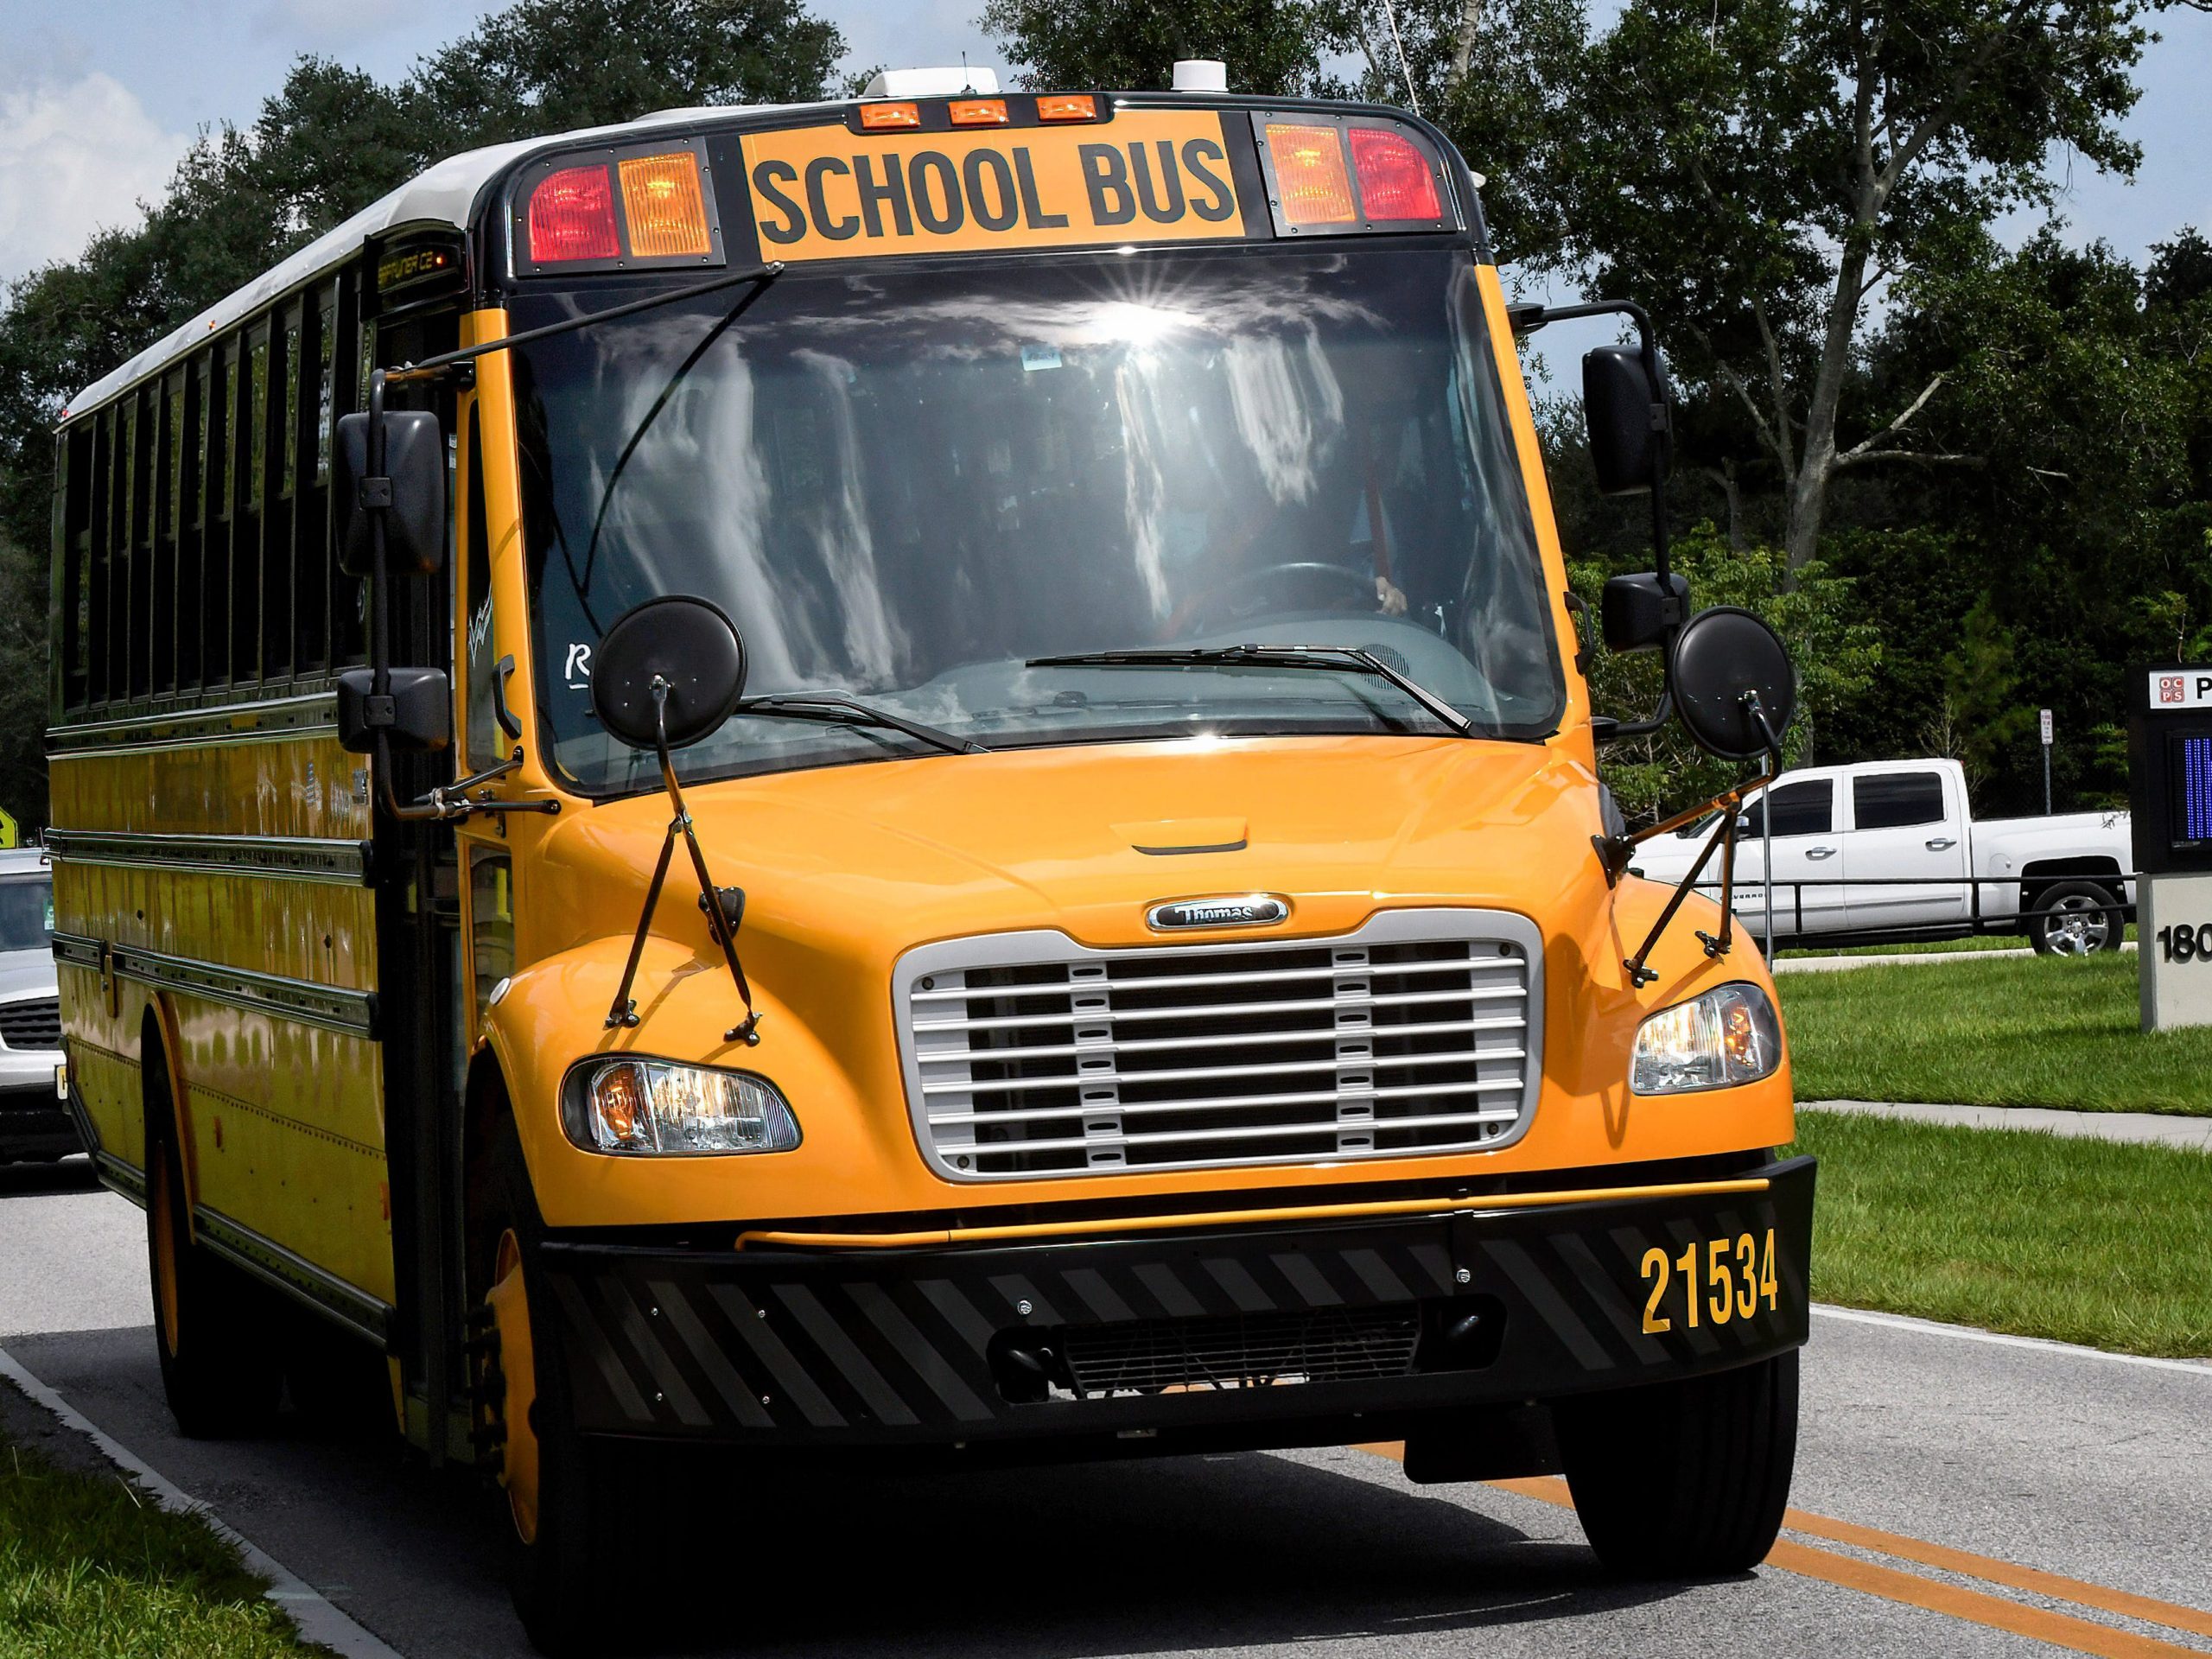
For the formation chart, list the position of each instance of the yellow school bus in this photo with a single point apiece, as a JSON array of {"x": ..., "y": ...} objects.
[{"x": 913, "y": 774}]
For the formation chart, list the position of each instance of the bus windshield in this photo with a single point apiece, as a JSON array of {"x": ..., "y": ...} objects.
[{"x": 906, "y": 486}]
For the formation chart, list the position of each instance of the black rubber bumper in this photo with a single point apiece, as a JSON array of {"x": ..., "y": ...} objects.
[
  {"x": 870, "y": 1347},
  {"x": 34, "y": 1124}
]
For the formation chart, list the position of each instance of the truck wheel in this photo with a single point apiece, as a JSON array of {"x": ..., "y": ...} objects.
[
  {"x": 2079, "y": 918},
  {"x": 1684, "y": 1480},
  {"x": 555, "y": 1489},
  {"x": 215, "y": 1328}
]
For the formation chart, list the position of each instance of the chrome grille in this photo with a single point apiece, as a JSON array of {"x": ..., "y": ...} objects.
[
  {"x": 1029, "y": 1055},
  {"x": 33, "y": 1023},
  {"x": 1247, "y": 1351}
]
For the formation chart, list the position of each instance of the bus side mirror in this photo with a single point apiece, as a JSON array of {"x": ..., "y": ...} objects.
[
  {"x": 415, "y": 467},
  {"x": 667, "y": 674},
  {"x": 1640, "y": 613},
  {"x": 415, "y": 713},
  {"x": 1733, "y": 684},
  {"x": 1631, "y": 430}
]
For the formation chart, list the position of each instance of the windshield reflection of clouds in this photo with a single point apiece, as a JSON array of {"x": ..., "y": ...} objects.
[{"x": 905, "y": 490}]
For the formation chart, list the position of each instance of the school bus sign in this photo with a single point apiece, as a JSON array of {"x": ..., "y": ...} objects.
[{"x": 1153, "y": 175}]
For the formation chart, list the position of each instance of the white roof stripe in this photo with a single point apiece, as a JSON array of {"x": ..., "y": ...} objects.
[{"x": 444, "y": 194}]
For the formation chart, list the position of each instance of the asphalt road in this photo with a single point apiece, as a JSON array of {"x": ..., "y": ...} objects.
[{"x": 1933, "y": 1470}]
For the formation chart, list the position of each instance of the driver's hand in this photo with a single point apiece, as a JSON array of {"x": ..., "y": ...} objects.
[{"x": 1390, "y": 596}]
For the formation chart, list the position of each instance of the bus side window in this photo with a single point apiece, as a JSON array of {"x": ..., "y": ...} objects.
[
  {"x": 311, "y": 565},
  {"x": 142, "y": 423},
  {"x": 279, "y": 479},
  {"x": 250, "y": 473},
  {"x": 77, "y": 507}
]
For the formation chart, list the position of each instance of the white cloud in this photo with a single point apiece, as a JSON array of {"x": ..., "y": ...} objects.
[{"x": 75, "y": 157}]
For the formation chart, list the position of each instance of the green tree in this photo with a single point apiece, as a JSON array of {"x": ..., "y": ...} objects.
[
  {"x": 1836, "y": 651},
  {"x": 549, "y": 65},
  {"x": 1756, "y": 173},
  {"x": 2080, "y": 534},
  {"x": 1272, "y": 47}
]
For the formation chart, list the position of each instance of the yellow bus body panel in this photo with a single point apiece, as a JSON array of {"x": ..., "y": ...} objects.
[{"x": 282, "y": 1122}]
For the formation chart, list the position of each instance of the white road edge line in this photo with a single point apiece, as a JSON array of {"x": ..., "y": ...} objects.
[
  {"x": 318, "y": 1619},
  {"x": 1968, "y": 1333}
]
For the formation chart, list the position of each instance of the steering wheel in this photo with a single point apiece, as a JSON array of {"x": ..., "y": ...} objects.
[{"x": 1308, "y": 585}]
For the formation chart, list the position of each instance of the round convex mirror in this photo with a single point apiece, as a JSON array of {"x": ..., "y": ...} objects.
[
  {"x": 685, "y": 641},
  {"x": 1720, "y": 656}
]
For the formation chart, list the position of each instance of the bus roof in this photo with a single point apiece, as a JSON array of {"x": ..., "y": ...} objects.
[{"x": 443, "y": 195}]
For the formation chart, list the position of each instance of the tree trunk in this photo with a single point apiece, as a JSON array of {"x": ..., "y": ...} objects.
[
  {"x": 1463, "y": 42},
  {"x": 1808, "y": 488},
  {"x": 1732, "y": 496}
]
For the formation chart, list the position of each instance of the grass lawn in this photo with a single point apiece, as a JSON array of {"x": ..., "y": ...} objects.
[
  {"x": 2084, "y": 1241},
  {"x": 2034, "y": 1031},
  {"x": 89, "y": 1566}
]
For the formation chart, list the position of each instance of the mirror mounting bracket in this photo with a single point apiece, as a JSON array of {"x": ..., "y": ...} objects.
[{"x": 623, "y": 1012}]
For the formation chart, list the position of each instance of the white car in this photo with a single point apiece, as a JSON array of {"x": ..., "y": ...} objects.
[
  {"x": 34, "y": 1123},
  {"x": 1889, "y": 850}
]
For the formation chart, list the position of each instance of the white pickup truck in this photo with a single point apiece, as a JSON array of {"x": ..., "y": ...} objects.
[{"x": 1882, "y": 851}]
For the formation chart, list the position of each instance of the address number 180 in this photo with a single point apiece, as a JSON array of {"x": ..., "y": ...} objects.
[{"x": 2185, "y": 943}]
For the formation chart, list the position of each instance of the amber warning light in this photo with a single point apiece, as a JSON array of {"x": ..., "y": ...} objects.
[{"x": 571, "y": 217}]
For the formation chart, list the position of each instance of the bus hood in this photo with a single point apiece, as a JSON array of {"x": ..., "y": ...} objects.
[{"x": 871, "y": 860}]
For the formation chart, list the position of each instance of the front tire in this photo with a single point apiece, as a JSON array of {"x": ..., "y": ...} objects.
[
  {"x": 2077, "y": 918},
  {"x": 1687, "y": 1479},
  {"x": 555, "y": 1499},
  {"x": 213, "y": 1327}
]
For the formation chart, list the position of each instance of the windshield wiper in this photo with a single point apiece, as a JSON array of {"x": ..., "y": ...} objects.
[
  {"x": 1330, "y": 659},
  {"x": 837, "y": 709}
]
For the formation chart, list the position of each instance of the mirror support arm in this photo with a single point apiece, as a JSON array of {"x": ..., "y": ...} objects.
[{"x": 624, "y": 1010}]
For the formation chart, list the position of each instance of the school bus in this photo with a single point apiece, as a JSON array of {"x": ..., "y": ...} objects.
[{"x": 913, "y": 772}]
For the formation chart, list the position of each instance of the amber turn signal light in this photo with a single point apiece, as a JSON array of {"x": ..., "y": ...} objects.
[
  {"x": 1311, "y": 177},
  {"x": 666, "y": 208}
]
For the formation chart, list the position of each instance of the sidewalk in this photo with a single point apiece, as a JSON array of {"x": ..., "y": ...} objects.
[
  {"x": 2140, "y": 1128},
  {"x": 1901, "y": 959}
]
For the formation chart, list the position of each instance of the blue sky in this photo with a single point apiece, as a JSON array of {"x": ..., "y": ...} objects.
[{"x": 98, "y": 99}]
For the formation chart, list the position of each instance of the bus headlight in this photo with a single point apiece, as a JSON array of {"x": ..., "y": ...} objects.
[
  {"x": 1726, "y": 1036},
  {"x": 656, "y": 1106}
]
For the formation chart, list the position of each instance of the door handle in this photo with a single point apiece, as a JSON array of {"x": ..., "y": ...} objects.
[
  {"x": 1820, "y": 852},
  {"x": 1941, "y": 844}
]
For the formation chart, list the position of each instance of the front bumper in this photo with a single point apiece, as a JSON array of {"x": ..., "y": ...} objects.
[{"x": 874, "y": 1347}]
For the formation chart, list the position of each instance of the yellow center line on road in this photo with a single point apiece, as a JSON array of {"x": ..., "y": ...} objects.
[
  {"x": 2171, "y": 1614},
  {"x": 1994, "y": 1612}
]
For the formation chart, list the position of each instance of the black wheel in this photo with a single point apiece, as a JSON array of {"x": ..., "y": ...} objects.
[
  {"x": 555, "y": 1493},
  {"x": 2075, "y": 919},
  {"x": 1684, "y": 1480},
  {"x": 215, "y": 1328}
]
